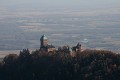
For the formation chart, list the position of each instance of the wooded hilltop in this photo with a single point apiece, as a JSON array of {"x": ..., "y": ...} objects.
[{"x": 60, "y": 65}]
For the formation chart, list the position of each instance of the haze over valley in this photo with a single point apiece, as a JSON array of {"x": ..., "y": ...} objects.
[{"x": 96, "y": 27}]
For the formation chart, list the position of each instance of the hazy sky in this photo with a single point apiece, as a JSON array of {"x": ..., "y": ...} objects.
[{"x": 60, "y": 3}]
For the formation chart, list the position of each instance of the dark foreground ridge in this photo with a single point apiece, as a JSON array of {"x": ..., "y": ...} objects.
[{"x": 60, "y": 65}]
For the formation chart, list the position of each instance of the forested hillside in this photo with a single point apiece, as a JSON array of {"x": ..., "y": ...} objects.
[{"x": 60, "y": 65}]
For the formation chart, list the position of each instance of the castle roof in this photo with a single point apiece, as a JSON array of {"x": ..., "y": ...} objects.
[
  {"x": 50, "y": 46},
  {"x": 43, "y": 37}
]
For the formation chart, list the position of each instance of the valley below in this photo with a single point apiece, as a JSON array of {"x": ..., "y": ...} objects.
[{"x": 95, "y": 29}]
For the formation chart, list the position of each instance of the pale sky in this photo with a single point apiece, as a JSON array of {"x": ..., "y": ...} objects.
[{"x": 60, "y": 3}]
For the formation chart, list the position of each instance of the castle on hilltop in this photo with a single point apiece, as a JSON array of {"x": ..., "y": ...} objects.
[{"x": 44, "y": 46}]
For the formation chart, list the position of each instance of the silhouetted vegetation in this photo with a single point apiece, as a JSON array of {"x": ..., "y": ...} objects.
[{"x": 60, "y": 65}]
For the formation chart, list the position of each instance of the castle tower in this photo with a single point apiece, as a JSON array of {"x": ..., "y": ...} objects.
[
  {"x": 78, "y": 47},
  {"x": 43, "y": 41}
]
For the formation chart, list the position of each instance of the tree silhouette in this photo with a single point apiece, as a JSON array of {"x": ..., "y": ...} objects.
[{"x": 60, "y": 65}]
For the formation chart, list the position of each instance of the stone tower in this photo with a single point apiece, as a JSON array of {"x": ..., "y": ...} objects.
[{"x": 43, "y": 41}]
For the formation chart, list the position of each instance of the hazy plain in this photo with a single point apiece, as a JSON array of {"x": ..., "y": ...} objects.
[{"x": 95, "y": 25}]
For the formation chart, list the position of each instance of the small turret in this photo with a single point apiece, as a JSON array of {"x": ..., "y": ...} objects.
[{"x": 78, "y": 47}]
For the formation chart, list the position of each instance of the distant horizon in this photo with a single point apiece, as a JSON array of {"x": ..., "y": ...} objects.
[{"x": 59, "y": 4}]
